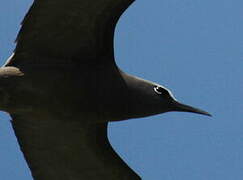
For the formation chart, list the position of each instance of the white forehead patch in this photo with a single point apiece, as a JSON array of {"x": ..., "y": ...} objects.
[
  {"x": 155, "y": 84},
  {"x": 167, "y": 90},
  {"x": 171, "y": 94}
]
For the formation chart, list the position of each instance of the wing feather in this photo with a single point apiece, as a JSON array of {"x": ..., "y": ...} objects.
[
  {"x": 68, "y": 30},
  {"x": 67, "y": 149}
]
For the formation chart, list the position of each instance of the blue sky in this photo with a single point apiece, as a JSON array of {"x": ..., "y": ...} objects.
[{"x": 193, "y": 47}]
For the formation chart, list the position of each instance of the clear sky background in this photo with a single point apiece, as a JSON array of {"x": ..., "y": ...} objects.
[{"x": 193, "y": 47}]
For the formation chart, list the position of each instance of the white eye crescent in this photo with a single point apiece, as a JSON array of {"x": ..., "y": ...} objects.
[
  {"x": 158, "y": 89},
  {"x": 163, "y": 92}
]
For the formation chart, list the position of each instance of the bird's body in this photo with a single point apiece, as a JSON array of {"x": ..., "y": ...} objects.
[
  {"x": 60, "y": 126},
  {"x": 62, "y": 87},
  {"x": 59, "y": 88}
]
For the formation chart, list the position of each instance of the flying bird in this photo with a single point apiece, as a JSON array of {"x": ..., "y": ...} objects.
[{"x": 62, "y": 86}]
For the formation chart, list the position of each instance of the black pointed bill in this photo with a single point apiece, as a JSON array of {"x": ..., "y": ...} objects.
[{"x": 185, "y": 108}]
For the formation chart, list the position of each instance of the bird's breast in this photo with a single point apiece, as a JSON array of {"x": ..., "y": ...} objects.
[{"x": 91, "y": 93}]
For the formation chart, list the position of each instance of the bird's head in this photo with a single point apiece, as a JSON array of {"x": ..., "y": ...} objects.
[
  {"x": 148, "y": 98},
  {"x": 173, "y": 104}
]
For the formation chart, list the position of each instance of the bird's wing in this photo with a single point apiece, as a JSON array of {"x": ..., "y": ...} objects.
[
  {"x": 68, "y": 30},
  {"x": 66, "y": 149}
]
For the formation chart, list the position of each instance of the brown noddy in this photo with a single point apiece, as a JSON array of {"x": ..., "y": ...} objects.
[{"x": 62, "y": 86}]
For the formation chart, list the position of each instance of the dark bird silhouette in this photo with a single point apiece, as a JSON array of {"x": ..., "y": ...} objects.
[{"x": 62, "y": 86}]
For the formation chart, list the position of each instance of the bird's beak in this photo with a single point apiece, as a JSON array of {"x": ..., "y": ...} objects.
[{"x": 185, "y": 108}]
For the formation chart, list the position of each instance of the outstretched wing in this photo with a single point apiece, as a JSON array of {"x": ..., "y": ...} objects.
[
  {"x": 68, "y": 149},
  {"x": 68, "y": 30}
]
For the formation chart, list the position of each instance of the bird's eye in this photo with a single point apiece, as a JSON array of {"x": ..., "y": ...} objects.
[{"x": 159, "y": 89}]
